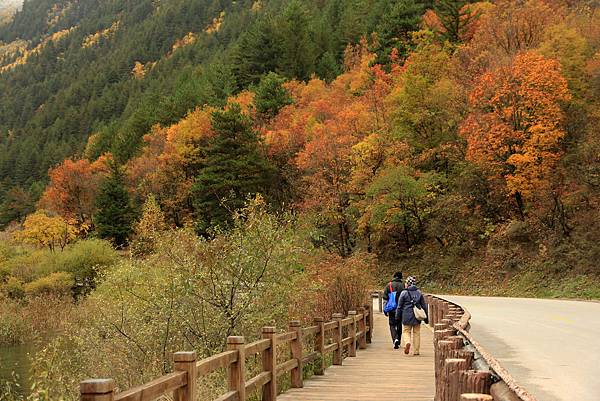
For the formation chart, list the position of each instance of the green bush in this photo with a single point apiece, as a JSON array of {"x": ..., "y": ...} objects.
[
  {"x": 84, "y": 260},
  {"x": 5, "y": 273},
  {"x": 30, "y": 266},
  {"x": 58, "y": 283}
]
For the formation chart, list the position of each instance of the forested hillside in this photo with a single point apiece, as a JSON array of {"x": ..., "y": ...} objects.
[
  {"x": 451, "y": 138},
  {"x": 110, "y": 70},
  {"x": 7, "y": 9}
]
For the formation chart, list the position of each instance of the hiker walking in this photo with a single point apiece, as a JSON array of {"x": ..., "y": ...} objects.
[
  {"x": 391, "y": 293},
  {"x": 411, "y": 311}
]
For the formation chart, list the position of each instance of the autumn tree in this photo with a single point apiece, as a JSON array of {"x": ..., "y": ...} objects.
[
  {"x": 427, "y": 104},
  {"x": 516, "y": 127},
  {"x": 44, "y": 230},
  {"x": 147, "y": 230},
  {"x": 72, "y": 190},
  {"x": 169, "y": 163},
  {"x": 339, "y": 118},
  {"x": 234, "y": 168},
  {"x": 399, "y": 201}
]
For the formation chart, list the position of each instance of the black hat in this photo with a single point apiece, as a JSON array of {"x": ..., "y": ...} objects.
[{"x": 398, "y": 276}]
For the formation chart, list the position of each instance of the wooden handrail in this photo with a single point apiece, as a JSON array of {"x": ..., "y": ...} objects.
[
  {"x": 309, "y": 331},
  {"x": 155, "y": 388},
  {"x": 257, "y": 347},
  {"x": 216, "y": 362},
  {"x": 258, "y": 381},
  {"x": 182, "y": 382},
  {"x": 286, "y": 337}
]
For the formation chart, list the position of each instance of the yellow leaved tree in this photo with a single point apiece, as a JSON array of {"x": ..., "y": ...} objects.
[{"x": 42, "y": 230}]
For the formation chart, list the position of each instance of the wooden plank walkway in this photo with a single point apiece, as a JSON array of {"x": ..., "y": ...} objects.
[{"x": 376, "y": 374}]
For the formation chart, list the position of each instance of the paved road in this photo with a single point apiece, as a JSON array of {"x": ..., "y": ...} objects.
[{"x": 551, "y": 347}]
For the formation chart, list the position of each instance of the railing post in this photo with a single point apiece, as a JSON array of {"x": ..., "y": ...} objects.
[
  {"x": 380, "y": 301},
  {"x": 237, "y": 381},
  {"x": 320, "y": 346},
  {"x": 338, "y": 355},
  {"x": 269, "y": 362},
  {"x": 370, "y": 331},
  {"x": 186, "y": 362},
  {"x": 97, "y": 390},
  {"x": 362, "y": 339},
  {"x": 453, "y": 367},
  {"x": 431, "y": 311},
  {"x": 352, "y": 333},
  {"x": 476, "y": 382},
  {"x": 296, "y": 349}
]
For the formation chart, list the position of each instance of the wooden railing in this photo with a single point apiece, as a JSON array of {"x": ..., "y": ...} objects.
[
  {"x": 464, "y": 370},
  {"x": 340, "y": 336}
]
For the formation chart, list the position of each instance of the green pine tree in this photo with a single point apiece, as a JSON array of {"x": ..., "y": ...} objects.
[
  {"x": 235, "y": 168},
  {"x": 396, "y": 28},
  {"x": 298, "y": 57},
  {"x": 114, "y": 218},
  {"x": 454, "y": 17},
  {"x": 270, "y": 96},
  {"x": 257, "y": 53},
  {"x": 328, "y": 68}
]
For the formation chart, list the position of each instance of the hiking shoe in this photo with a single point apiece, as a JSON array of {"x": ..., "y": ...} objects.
[
  {"x": 416, "y": 353},
  {"x": 407, "y": 348},
  {"x": 396, "y": 344}
]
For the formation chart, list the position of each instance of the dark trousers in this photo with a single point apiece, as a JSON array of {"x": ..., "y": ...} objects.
[{"x": 395, "y": 327}]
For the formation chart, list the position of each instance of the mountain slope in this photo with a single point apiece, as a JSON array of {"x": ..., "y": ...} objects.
[
  {"x": 114, "y": 68},
  {"x": 7, "y": 9}
]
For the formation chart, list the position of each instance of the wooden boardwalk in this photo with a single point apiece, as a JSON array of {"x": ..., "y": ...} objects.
[{"x": 378, "y": 373}]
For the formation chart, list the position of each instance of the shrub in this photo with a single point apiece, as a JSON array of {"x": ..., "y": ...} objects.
[
  {"x": 58, "y": 283},
  {"x": 30, "y": 265},
  {"x": 332, "y": 284},
  {"x": 6, "y": 252},
  {"x": 190, "y": 294},
  {"x": 13, "y": 288},
  {"x": 84, "y": 260}
]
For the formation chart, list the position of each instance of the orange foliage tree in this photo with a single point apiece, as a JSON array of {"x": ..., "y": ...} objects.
[
  {"x": 516, "y": 126},
  {"x": 72, "y": 190},
  {"x": 335, "y": 118},
  {"x": 169, "y": 163}
]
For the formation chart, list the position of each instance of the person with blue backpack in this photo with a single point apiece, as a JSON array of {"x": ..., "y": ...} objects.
[
  {"x": 411, "y": 311},
  {"x": 391, "y": 293}
]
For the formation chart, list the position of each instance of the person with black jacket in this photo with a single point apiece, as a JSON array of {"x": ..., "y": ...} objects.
[
  {"x": 395, "y": 325},
  {"x": 405, "y": 315}
]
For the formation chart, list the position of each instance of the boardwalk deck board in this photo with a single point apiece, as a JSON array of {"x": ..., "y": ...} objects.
[{"x": 377, "y": 373}]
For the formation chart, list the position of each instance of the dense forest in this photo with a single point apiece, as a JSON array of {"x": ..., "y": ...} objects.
[
  {"x": 408, "y": 129},
  {"x": 110, "y": 70},
  {"x": 155, "y": 155}
]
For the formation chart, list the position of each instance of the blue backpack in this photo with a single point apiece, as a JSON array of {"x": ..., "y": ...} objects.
[{"x": 391, "y": 303}]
